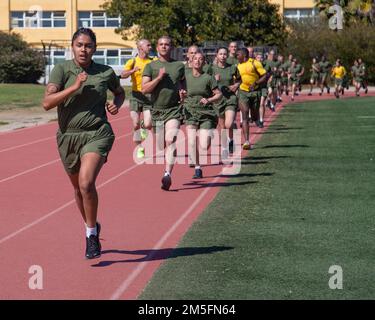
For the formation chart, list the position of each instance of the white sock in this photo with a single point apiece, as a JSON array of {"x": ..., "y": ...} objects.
[
  {"x": 91, "y": 231},
  {"x": 197, "y": 167}
]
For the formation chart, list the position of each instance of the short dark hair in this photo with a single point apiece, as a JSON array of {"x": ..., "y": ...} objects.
[
  {"x": 85, "y": 31},
  {"x": 221, "y": 48},
  {"x": 244, "y": 51}
]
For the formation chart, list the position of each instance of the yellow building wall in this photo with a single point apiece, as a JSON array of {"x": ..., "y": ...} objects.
[
  {"x": 106, "y": 37},
  {"x": 293, "y": 4}
]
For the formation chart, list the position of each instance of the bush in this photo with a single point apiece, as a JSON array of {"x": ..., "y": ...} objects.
[
  {"x": 313, "y": 39},
  {"x": 18, "y": 62}
]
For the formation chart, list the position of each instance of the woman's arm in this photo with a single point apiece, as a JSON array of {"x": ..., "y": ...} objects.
[
  {"x": 216, "y": 97},
  {"x": 118, "y": 101},
  {"x": 53, "y": 96}
]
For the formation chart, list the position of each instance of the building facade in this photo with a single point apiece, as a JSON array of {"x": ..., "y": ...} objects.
[{"x": 48, "y": 25}]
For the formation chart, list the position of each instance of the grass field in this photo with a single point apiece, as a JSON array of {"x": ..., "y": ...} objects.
[
  {"x": 304, "y": 201},
  {"x": 14, "y": 96}
]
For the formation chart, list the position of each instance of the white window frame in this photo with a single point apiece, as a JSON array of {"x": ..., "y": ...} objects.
[
  {"x": 94, "y": 16},
  {"x": 123, "y": 54},
  {"x": 299, "y": 15},
  {"x": 36, "y": 18}
]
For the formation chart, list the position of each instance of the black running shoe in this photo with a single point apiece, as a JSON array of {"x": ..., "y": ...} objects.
[
  {"x": 261, "y": 125},
  {"x": 231, "y": 147},
  {"x": 328, "y": 90},
  {"x": 93, "y": 247},
  {"x": 166, "y": 182},
  {"x": 257, "y": 123},
  {"x": 309, "y": 94},
  {"x": 198, "y": 174},
  {"x": 366, "y": 90},
  {"x": 273, "y": 109}
]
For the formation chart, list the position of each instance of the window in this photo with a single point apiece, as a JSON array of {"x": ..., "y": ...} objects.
[
  {"x": 38, "y": 19},
  {"x": 55, "y": 56},
  {"x": 113, "y": 57},
  {"x": 97, "y": 19},
  {"x": 300, "y": 13}
]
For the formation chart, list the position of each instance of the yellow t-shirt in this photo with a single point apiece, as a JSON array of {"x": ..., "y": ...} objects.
[
  {"x": 248, "y": 74},
  {"x": 137, "y": 76},
  {"x": 339, "y": 72}
]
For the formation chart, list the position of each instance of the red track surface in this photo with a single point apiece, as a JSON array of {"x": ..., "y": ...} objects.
[{"x": 40, "y": 224}]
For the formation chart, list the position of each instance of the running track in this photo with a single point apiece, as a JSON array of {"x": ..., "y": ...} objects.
[{"x": 40, "y": 224}]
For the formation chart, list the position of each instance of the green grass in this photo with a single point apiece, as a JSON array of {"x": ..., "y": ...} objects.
[
  {"x": 304, "y": 201},
  {"x": 15, "y": 96},
  {"x": 20, "y": 96}
]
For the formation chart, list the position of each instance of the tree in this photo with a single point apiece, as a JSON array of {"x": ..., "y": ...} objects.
[
  {"x": 196, "y": 21},
  {"x": 18, "y": 62},
  {"x": 354, "y": 10}
]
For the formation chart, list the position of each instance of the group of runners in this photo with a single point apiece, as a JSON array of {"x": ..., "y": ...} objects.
[
  {"x": 323, "y": 70},
  {"x": 165, "y": 94}
]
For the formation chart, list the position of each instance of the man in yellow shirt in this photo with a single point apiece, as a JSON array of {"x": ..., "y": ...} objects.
[
  {"x": 139, "y": 102},
  {"x": 252, "y": 75},
  {"x": 338, "y": 73}
]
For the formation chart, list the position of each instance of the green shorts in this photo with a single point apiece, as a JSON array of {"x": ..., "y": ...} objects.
[
  {"x": 74, "y": 143},
  {"x": 359, "y": 80},
  {"x": 339, "y": 82},
  {"x": 204, "y": 117},
  {"x": 323, "y": 77},
  {"x": 314, "y": 78},
  {"x": 251, "y": 99},
  {"x": 284, "y": 81},
  {"x": 225, "y": 104},
  {"x": 295, "y": 81},
  {"x": 138, "y": 102},
  {"x": 164, "y": 114},
  {"x": 264, "y": 92}
]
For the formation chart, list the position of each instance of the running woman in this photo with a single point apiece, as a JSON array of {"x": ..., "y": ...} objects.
[
  {"x": 325, "y": 67},
  {"x": 165, "y": 80},
  {"x": 285, "y": 81},
  {"x": 252, "y": 75},
  {"x": 315, "y": 74},
  {"x": 263, "y": 88},
  {"x": 139, "y": 103},
  {"x": 78, "y": 88},
  {"x": 227, "y": 78},
  {"x": 295, "y": 73},
  {"x": 357, "y": 77},
  {"x": 338, "y": 73},
  {"x": 362, "y": 66},
  {"x": 271, "y": 66},
  {"x": 202, "y": 92}
]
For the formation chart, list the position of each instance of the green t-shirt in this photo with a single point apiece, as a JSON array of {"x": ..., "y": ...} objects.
[
  {"x": 314, "y": 68},
  {"x": 199, "y": 87},
  {"x": 357, "y": 72},
  {"x": 362, "y": 67},
  {"x": 285, "y": 67},
  {"x": 228, "y": 75},
  {"x": 294, "y": 71},
  {"x": 85, "y": 109},
  {"x": 232, "y": 60},
  {"x": 166, "y": 93},
  {"x": 325, "y": 66}
]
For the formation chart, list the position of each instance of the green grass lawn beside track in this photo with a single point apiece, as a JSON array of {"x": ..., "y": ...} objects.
[
  {"x": 15, "y": 96},
  {"x": 304, "y": 201}
]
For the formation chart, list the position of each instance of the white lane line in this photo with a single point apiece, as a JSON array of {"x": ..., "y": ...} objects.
[
  {"x": 45, "y": 139},
  {"x": 130, "y": 279},
  {"x": 12, "y": 235},
  {"x": 26, "y": 144},
  {"x": 28, "y": 171},
  {"x": 46, "y": 164}
]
